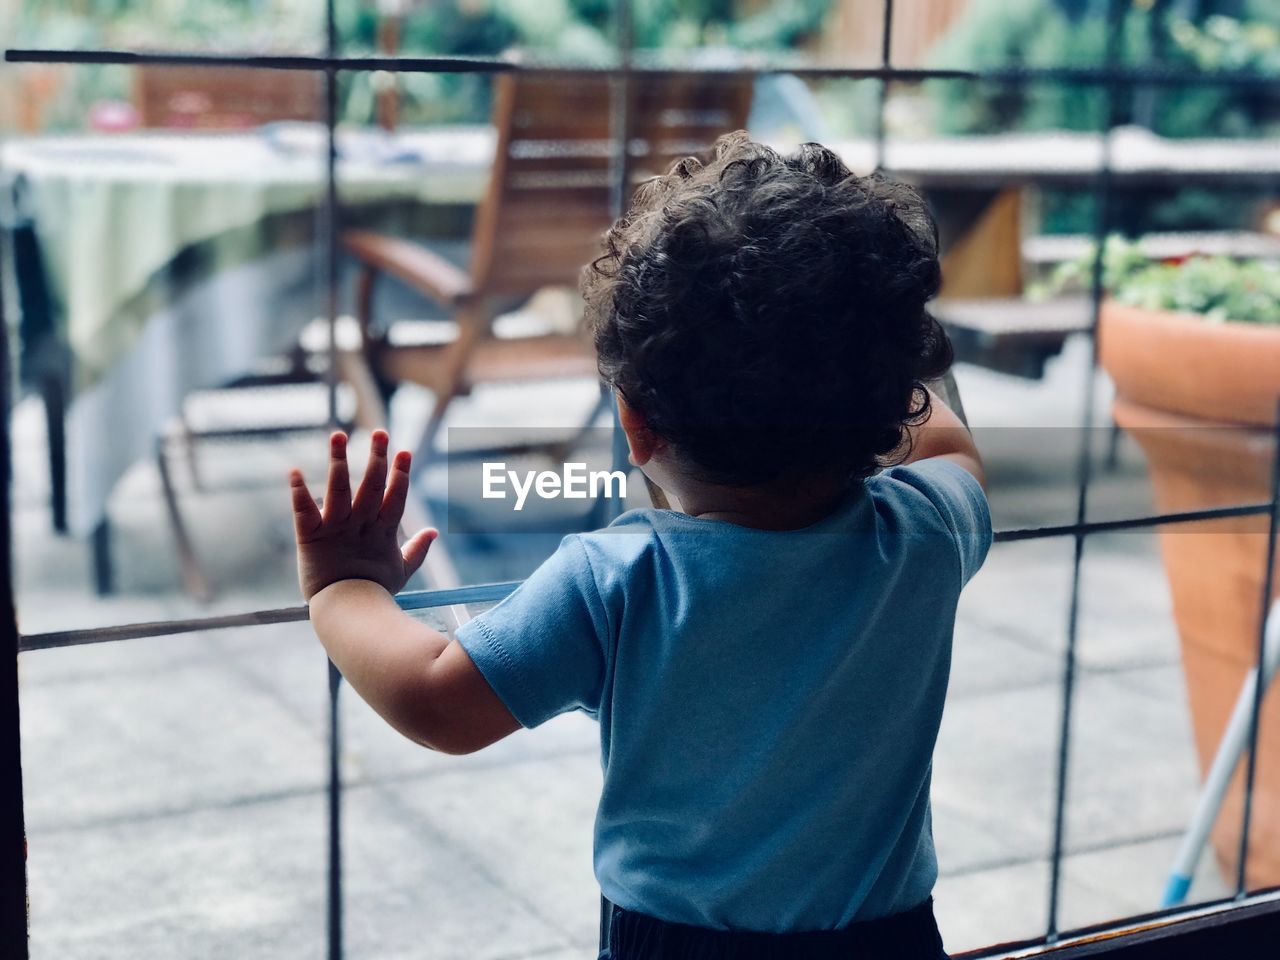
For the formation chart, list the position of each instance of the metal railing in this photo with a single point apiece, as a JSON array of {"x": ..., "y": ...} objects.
[{"x": 1112, "y": 78}]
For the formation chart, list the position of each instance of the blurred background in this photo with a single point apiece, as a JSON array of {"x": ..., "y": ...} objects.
[{"x": 167, "y": 302}]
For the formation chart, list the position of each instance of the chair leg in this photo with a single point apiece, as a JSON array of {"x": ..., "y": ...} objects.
[
  {"x": 1114, "y": 438},
  {"x": 427, "y": 442},
  {"x": 53, "y": 392},
  {"x": 189, "y": 448},
  {"x": 100, "y": 551},
  {"x": 473, "y": 326},
  {"x": 193, "y": 576},
  {"x": 371, "y": 343}
]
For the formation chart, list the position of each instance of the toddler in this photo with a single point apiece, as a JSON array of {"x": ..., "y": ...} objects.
[{"x": 768, "y": 662}]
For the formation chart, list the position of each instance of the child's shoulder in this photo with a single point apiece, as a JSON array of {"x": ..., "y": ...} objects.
[{"x": 935, "y": 485}]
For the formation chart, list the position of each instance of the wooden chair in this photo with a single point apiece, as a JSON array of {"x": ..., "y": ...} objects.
[
  {"x": 224, "y": 99},
  {"x": 554, "y": 190}
]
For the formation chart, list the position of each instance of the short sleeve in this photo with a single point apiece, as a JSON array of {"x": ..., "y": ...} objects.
[
  {"x": 542, "y": 648},
  {"x": 958, "y": 497}
]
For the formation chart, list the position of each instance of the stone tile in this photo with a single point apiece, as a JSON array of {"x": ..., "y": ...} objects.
[
  {"x": 999, "y": 905},
  {"x": 1021, "y": 594},
  {"x": 248, "y": 880},
  {"x": 530, "y": 823},
  {"x": 1126, "y": 615},
  {"x": 993, "y": 769},
  {"x": 413, "y": 890},
  {"x": 1129, "y": 879},
  {"x": 157, "y": 741},
  {"x": 238, "y": 881},
  {"x": 985, "y": 661},
  {"x": 1133, "y": 768}
]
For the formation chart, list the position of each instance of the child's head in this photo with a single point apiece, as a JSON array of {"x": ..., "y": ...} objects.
[{"x": 767, "y": 314}]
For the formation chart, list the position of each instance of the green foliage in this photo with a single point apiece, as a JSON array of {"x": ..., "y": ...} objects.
[
  {"x": 1215, "y": 288},
  {"x": 1037, "y": 33},
  {"x": 575, "y": 31},
  {"x": 1222, "y": 43},
  {"x": 171, "y": 24},
  {"x": 1028, "y": 33}
]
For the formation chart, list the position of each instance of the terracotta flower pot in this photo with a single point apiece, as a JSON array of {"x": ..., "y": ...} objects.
[{"x": 1200, "y": 400}]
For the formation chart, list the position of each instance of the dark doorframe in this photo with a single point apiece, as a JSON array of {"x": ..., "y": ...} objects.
[{"x": 13, "y": 832}]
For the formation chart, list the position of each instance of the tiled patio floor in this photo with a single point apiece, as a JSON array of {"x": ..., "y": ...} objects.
[{"x": 175, "y": 786}]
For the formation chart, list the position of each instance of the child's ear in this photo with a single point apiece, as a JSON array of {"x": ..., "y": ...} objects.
[{"x": 642, "y": 442}]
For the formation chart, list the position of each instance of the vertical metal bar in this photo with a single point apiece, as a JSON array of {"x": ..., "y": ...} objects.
[
  {"x": 620, "y": 114},
  {"x": 1102, "y": 224},
  {"x": 329, "y": 228},
  {"x": 886, "y": 44},
  {"x": 335, "y": 818},
  {"x": 100, "y": 551},
  {"x": 53, "y": 390},
  {"x": 619, "y": 200},
  {"x": 329, "y": 210},
  {"x": 13, "y": 831},
  {"x": 1269, "y": 565}
]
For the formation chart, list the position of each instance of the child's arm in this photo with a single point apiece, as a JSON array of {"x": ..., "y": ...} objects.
[
  {"x": 944, "y": 435},
  {"x": 349, "y": 567}
]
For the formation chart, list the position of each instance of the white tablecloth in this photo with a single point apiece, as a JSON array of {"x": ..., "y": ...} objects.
[{"x": 111, "y": 212}]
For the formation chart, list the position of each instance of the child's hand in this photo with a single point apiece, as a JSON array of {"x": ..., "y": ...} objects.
[{"x": 356, "y": 540}]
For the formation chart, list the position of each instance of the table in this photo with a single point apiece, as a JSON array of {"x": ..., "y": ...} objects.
[{"x": 111, "y": 212}]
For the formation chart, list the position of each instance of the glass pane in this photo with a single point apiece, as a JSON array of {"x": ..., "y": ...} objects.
[
  {"x": 845, "y": 34},
  {"x": 576, "y": 32},
  {"x": 992, "y": 34},
  {"x": 175, "y": 796},
  {"x": 993, "y": 768},
  {"x": 203, "y": 26},
  {"x": 151, "y": 268},
  {"x": 1261, "y": 865},
  {"x": 493, "y": 849},
  {"x": 1165, "y": 648}
]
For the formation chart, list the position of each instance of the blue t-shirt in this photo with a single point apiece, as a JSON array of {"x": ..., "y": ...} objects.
[{"x": 768, "y": 700}]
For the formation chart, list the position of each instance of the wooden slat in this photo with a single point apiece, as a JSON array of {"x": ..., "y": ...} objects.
[
  {"x": 228, "y": 98},
  {"x": 550, "y": 357},
  {"x": 412, "y": 263}
]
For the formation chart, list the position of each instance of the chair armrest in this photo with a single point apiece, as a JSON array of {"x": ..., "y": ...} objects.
[{"x": 411, "y": 263}]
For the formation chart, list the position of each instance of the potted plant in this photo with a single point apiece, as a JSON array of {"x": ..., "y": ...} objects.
[{"x": 1193, "y": 347}]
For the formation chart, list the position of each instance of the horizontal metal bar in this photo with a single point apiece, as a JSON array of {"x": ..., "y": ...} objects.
[
  {"x": 1138, "y": 927},
  {"x": 1087, "y": 76},
  {"x": 263, "y": 61},
  {"x": 492, "y": 592},
  {"x": 156, "y": 628},
  {"x": 1132, "y": 523},
  {"x": 412, "y": 600}
]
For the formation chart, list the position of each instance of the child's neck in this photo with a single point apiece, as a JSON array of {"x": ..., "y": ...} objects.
[{"x": 789, "y": 502}]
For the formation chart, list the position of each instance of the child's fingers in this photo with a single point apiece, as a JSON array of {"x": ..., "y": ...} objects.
[
  {"x": 306, "y": 515},
  {"x": 337, "y": 498},
  {"x": 397, "y": 491},
  {"x": 415, "y": 550},
  {"x": 368, "y": 499}
]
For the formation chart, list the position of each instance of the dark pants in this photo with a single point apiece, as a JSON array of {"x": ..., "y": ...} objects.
[{"x": 912, "y": 935}]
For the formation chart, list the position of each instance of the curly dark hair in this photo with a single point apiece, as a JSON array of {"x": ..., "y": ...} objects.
[{"x": 766, "y": 313}]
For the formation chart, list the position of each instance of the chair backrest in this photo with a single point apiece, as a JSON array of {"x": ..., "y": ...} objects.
[
  {"x": 226, "y": 99},
  {"x": 553, "y": 190}
]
